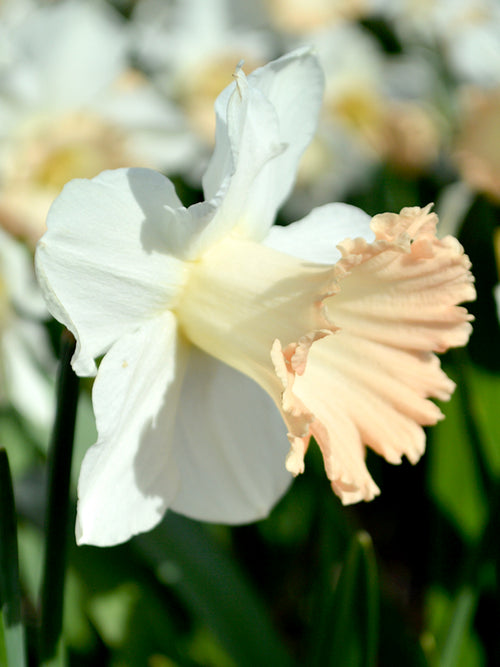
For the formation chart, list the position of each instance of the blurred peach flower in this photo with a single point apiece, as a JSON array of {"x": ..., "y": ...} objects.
[{"x": 476, "y": 149}]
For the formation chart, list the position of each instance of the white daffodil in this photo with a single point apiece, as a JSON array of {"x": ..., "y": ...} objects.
[
  {"x": 70, "y": 106},
  {"x": 213, "y": 323},
  {"x": 24, "y": 351}
]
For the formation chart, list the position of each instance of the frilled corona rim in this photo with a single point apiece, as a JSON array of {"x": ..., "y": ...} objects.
[{"x": 406, "y": 262}]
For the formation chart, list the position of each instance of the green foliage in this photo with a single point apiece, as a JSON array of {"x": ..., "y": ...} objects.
[
  {"x": 349, "y": 627},
  {"x": 12, "y": 648}
]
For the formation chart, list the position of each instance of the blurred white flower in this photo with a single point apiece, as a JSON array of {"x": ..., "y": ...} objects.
[
  {"x": 467, "y": 32},
  {"x": 190, "y": 47},
  {"x": 377, "y": 108},
  {"x": 25, "y": 357},
  {"x": 214, "y": 323},
  {"x": 70, "y": 107}
]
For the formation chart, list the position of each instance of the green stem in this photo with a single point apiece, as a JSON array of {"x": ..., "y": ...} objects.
[
  {"x": 57, "y": 510},
  {"x": 14, "y": 652}
]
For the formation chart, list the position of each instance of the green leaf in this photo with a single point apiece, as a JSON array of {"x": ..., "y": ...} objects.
[
  {"x": 21, "y": 450},
  {"x": 454, "y": 478},
  {"x": 185, "y": 558},
  {"x": 449, "y": 638},
  {"x": 460, "y": 624},
  {"x": 350, "y": 627},
  {"x": 484, "y": 389},
  {"x": 12, "y": 644}
]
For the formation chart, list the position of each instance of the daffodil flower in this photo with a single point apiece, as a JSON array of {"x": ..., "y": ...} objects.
[{"x": 228, "y": 342}]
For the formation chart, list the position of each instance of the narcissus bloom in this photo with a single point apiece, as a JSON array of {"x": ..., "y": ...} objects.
[{"x": 228, "y": 342}]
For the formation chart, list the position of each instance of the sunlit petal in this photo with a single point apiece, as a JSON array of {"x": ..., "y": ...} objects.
[
  {"x": 128, "y": 477},
  {"x": 115, "y": 249},
  {"x": 263, "y": 129}
]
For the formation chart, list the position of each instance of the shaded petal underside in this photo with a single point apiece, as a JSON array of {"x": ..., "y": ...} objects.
[{"x": 229, "y": 445}]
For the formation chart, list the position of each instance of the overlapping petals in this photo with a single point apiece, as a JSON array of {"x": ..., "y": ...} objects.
[
  {"x": 230, "y": 458},
  {"x": 262, "y": 130}
]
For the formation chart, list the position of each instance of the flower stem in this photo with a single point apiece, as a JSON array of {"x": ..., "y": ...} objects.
[
  {"x": 57, "y": 510},
  {"x": 12, "y": 646}
]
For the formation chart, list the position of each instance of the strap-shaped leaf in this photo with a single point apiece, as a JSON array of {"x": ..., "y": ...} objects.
[
  {"x": 12, "y": 646},
  {"x": 350, "y": 630}
]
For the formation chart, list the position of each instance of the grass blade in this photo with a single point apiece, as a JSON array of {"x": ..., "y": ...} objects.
[
  {"x": 349, "y": 634},
  {"x": 12, "y": 644}
]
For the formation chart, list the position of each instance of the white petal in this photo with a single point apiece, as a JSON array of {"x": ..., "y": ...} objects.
[
  {"x": 294, "y": 85},
  {"x": 253, "y": 140},
  {"x": 315, "y": 237},
  {"x": 127, "y": 479},
  {"x": 230, "y": 445},
  {"x": 104, "y": 263},
  {"x": 221, "y": 164},
  {"x": 263, "y": 126}
]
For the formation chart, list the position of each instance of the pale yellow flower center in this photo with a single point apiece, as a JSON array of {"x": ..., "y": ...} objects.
[
  {"x": 361, "y": 112},
  {"x": 44, "y": 155},
  {"x": 77, "y": 145},
  {"x": 300, "y": 16}
]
